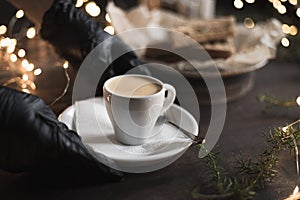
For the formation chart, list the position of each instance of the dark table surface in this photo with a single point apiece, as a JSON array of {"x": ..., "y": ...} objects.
[{"x": 246, "y": 120}]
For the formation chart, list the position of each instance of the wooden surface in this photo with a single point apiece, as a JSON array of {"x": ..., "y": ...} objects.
[{"x": 245, "y": 122}]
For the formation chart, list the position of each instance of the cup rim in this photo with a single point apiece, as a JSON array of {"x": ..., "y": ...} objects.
[{"x": 105, "y": 86}]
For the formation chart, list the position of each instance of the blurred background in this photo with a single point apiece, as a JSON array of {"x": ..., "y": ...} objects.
[
  {"x": 27, "y": 61},
  {"x": 248, "y": 12}
]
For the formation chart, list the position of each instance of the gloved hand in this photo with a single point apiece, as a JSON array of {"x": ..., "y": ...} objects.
[
  {"x": 74, "y": 35},
  {"x": 33, "y": 140}
]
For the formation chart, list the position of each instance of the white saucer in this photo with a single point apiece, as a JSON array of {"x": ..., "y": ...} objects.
[{"x": 120, "y": 156}]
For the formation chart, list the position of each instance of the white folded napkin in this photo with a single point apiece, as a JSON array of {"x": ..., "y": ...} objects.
[{"x": 93, "y": 125}]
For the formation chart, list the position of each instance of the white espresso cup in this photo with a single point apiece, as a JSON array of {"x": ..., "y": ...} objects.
[{"x": 134, "y": 103}]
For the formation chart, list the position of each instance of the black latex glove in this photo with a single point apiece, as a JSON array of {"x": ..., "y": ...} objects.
[
  {"x": 33, "y": 140},
  {"x": 74, "y": 34}
]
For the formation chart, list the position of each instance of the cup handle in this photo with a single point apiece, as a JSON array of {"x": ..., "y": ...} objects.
[{"x": 169, "y": 100}]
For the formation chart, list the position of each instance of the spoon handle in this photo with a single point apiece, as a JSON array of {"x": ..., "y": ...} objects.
[{"x": 194, "y": 138}]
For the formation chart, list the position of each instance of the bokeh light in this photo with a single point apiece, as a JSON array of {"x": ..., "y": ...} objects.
[
  {"x": 298, "y": 100},
  {"x": 3, "y": 29},
  {"x": 19, "y": 14},
  {"x": 37, "y": 71},
  {"x": 293, "y": 30},
  {"x": 30, "y": 67},
  {"x": 276, "y": 4},
  {"x": 107, "y": 18},
  {"x": 5, "y": 42},
  {"x": 24, "y": 63},
  {"x": 249, "y": 23},
  {"x": 298, "y": 12},
  {"x": 110, "y": 30},
  {"x": 21, "y": 53},
  {"x": 293, "y": 2},
  {"x": 13, "y": 57},
  {"x": 66, "y": 64},
  {"x": 31, "y": 32},
  {"x": 285, "y": 42},
  {"x": 79, "y": 3},
  {"x": 285, "y": 28},
  {"x": 92, "y": 9},
  {"x": 25, "y": 77},
  {"x": 26, "y": 91},
  {"x": 238, "y": 4},
  {"x": 282, "y": 9}
]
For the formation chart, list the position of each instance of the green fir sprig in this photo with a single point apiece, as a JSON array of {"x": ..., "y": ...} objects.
[
  {"x": 252, "y": 174},
  {"x": 271, "y": 102}
]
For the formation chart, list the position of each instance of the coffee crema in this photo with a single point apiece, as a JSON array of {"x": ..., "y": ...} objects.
[{"x": 134, "y": 86}]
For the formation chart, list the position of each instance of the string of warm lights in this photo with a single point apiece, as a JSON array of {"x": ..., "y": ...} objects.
[
  {"x": 279, "y": 5},
  {"x": 15, "y": 57}
]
